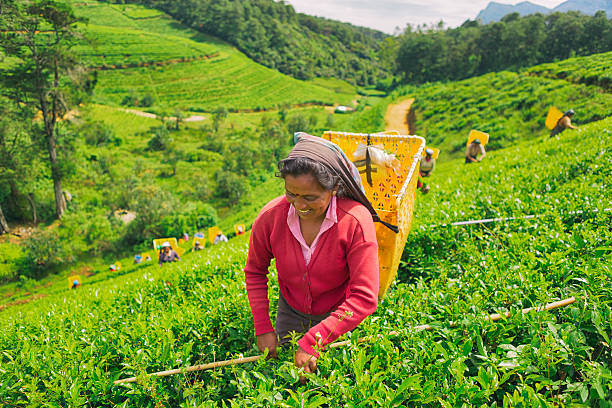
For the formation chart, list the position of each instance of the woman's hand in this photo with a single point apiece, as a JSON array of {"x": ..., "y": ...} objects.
[
  {"x": 268, "y": 341},
  {"x": 308, "y": 361}
]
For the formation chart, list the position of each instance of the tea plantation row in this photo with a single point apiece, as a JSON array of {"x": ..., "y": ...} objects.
[
  {"x": 68, "y": 348},
  {"x": 511, "y": 107},
  {"x": 591, "y": 70},
  {"x": 201, "y": 73}
]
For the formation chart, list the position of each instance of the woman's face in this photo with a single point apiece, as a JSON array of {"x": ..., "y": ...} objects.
[
  {"x": 307, "y": 196},
  {"x": 166, "y": 249}
]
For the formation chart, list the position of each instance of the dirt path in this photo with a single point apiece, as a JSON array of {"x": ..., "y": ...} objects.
[
  {"x": 398, "y": 117},
  {"x": 195, "y": 118}
]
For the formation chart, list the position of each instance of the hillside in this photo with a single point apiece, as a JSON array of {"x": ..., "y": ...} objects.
[
  {"x": 147, "y": 318},
  {"x": 510, "y": 106},
  {"x": 274, "y": 35},
  {"x": 180, "y": 130},
  {"x": 140, "y": 52}
]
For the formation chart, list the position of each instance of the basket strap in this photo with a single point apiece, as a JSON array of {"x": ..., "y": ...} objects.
[
  {"x": 368, "y": 162},
  {"x": 392, "y": 227}
]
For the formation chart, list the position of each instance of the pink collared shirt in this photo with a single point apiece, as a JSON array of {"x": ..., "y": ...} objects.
[
  {"x": 293, "y": 221},
  {"x": 341, "y": 278}
]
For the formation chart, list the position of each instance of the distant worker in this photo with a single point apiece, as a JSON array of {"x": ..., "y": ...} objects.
[
  {"x": 197, "y": 246},
  {"x": 75, "y": 284},
  {"x": 428, "y": 164},
  {"x": 565, "y": 122},
  {"x": 113, "y": 268},
  {"x": 220, "y": 238},
  {"x": 167, "y": 254},
  {"x": 137, "y": 258},
  {"x": 239, "y": 230},
  {"x": 472, "y": 151},
  {"x": 147, "y": 258},
  {"x": 185, "y": 236},
  {"x": 427, "y": 167}
]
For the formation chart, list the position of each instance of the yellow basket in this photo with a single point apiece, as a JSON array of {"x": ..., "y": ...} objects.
[
  {"x": 553, "y": 117},
  {"x": 239, "y": 229},
  {"x": 73, "y": 278},
  {"x": 436, "y": 152},
  {"x": 391, "y": 197},
  {"x": 477, "y": 134},
  {"x": 157, "y": 243},
  {"x": 212, "y": 233}
]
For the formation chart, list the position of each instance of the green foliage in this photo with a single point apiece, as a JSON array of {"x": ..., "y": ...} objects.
[
  {"x": 97, "y": 133},
  {"x": 301, "y": 123},
  {"x": 44, "y": 251},
  {"x": 191, "y": 217},
  {"x": 274, "y": 35},
  {"x": 151, "y": 319},
  {"x": 592, "y": 70},
  {"x": 11, "y": 256},
  {"x": 431, "y": 54},
  {"x": 230, "y": 187},
  {"x": 161, "y": 140},
  {"x": 510, "y": 107}
]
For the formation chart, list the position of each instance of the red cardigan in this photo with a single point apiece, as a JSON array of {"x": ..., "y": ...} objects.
[{"x": 342, "y": 276}]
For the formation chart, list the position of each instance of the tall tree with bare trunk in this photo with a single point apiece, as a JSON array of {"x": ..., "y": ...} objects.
[{"x": 39, "y": 35}]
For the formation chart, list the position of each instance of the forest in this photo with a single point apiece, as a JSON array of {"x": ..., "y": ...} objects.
[
  {"x": 274, "y": 35},
  {"x": 432, "y": 53}
]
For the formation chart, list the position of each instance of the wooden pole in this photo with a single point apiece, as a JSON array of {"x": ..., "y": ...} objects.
[{"x": 494, "y": 317}]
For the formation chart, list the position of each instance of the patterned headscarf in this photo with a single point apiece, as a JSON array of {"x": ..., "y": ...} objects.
[{"x": 334, "y": 159}]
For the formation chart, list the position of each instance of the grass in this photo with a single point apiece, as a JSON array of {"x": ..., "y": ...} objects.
[{"x": 120, "y": 47}]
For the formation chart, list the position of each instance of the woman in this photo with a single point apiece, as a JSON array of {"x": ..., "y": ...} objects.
[
  {"x": 564, "y": 122},
  {"x": 472, "y": 151},
  {"x": 321, "y": 233},
  {"x": 167, "y": 254}
]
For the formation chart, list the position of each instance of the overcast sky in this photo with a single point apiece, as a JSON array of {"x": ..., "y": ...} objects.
[{"x": 386, "y": 15}]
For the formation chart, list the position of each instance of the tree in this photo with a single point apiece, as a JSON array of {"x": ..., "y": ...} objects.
[
  {"x": 20, "y": 159},
  {"x": 40, "y": 34},
  {"x": 3, "y": 224}
]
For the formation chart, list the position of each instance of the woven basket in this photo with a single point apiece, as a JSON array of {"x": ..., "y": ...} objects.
[{"x": 392, "y": 196}]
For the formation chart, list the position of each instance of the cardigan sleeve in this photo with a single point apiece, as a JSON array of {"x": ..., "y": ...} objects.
[
  {"x": 362, "y": 293},
  {"x": 256, "y": 275}
]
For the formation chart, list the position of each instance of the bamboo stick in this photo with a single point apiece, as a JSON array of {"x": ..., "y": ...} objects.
[
  {"x": 524, "y": 217},
  {"x": 199, "y": 367},
  {"x": 493, "y": 317}
]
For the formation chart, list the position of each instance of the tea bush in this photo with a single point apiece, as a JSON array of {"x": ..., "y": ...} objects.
[{"x": 68, "y": 347}]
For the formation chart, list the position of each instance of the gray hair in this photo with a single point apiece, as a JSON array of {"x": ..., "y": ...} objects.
[{"x": 302, "y": 165}]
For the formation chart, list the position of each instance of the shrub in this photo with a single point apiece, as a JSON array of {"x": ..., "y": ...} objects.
[
  {"x": 147, "y": 101},
  {"x": 230, "y": 187},
  {"x": 161, "y": 139},
  {"x": 98, "y": 133},
  {"x": 44, "y": 253}
]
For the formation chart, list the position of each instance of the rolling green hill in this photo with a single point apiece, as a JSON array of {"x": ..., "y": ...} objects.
[
  {"x": 274, "y": 35},
  {"x": 178, "y": 67},
  {"x": 510, "y": 106},
  {"x": 591, "y": 70},
  {"x": 68, "y": 346}
]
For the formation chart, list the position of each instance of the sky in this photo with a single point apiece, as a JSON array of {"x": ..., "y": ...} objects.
[{"x": 386, "y": 15}]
